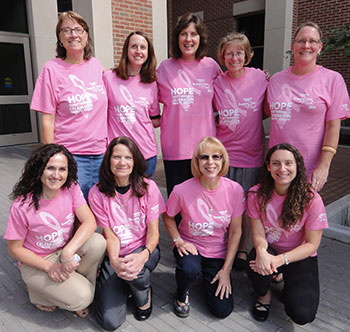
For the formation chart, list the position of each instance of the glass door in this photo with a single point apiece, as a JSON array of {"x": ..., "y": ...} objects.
[{"x": 18, "y": 123}]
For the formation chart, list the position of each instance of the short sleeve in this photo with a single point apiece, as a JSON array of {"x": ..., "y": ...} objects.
[
  {"x": 154, "y": 109},
  {"x": 316, "y": 214},
  {"x": 253, "y": 210},
  {"x": 155, "y": 204},
  {"x": 44, "y": 99},
  {"x": 78, "y": 197},
  {"x": 17, "y": 225},
  {"x": 173, "y": 205},
  {"x": 97, "y": 204},
  {"x": 339, "y": 107},
  {"x": 239, "y": 202}
]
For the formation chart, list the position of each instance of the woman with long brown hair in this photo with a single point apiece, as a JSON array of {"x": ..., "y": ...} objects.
[{"x": 287, "y": 218}]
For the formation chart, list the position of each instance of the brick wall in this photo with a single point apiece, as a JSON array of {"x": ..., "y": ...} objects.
[
  {"x": 128, "y": 16},
  {"x": 328, "y": 14}
]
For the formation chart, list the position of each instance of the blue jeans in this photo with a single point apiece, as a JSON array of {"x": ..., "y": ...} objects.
[
  {"x": 88, "y": 167},
  {"x": 151, "y": 166}
]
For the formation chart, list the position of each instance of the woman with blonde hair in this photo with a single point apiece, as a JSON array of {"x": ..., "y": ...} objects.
[
  {"x": 206, "y": 240},
  {"x": 239, "y": 95}
]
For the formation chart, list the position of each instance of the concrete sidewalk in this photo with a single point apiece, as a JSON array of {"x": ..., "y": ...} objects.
[{"x": 17, "y": 314}]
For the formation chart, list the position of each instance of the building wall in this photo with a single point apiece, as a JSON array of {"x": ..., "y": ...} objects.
[
  {"x": 218, "y": 18},
  {"x": 128, "y": 16},
  {"x": 328, "y": 14}
]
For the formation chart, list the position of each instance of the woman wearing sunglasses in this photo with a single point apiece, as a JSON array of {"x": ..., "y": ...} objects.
[{"x": 206, "y": 240}]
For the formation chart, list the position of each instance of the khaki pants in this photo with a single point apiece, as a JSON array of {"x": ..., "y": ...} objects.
[{"x": 75, "y": 293}]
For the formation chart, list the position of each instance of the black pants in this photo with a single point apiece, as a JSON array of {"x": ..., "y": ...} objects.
[
  {"x": 301, "y": 292},
  {"x": 112, "y": 291},
  {"x": 188, "y": 270},
  {"x": 176, "y": 172}
]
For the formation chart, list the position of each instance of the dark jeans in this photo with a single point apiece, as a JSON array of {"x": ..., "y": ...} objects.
[
  {"x": 301, "y": 292},
  {"x": 189, "y": 269},
  {"x": 112, "y": 291}
]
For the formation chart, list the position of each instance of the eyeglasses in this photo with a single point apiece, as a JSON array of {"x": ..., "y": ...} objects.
[
  {"x": 312, "y": 42},
  {"x": 230, "y": 55},
  {"x": 205, "y": 157},
  {"x": 68, "y": 31}
]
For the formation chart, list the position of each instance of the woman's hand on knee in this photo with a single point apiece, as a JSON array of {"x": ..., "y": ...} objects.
[
  {"x": 134, "y": 263},
  {"x": 224, "y": 284},
  {"x": 185, "y": 248},
  {"x": 56, "y": 273}
]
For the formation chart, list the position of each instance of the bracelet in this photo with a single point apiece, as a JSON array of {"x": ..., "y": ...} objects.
[
  {"x": 329, "y": 149},
  {"x": 286, "y": 260},
  {"x": 177, "y": 239},
  {"x": 149, "y": 251}
]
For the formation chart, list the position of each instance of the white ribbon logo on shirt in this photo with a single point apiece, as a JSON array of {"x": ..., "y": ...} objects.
[
  {"x": 123, "y": 227},
  {"x": 233, "y": 103},
  {"x": 187, "y": 81},
  {"x": 84, "y": 99},
  {"x": 55, "y": 239},
  {"x": 273, "y": 233},
  {"x": 126, "y": 112}
]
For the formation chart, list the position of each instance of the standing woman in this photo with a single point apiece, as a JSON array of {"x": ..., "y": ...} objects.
[
  {"x": 58, "y": 267},
  {"x": 307, "y": 103},
  {"x": 287, "y": 218},
  {"x": 239, "y": 95},
  {"x": 127, "y": 206},
  {"x": 70, "y": 95},
  {"x": 206, "y": 240},
  {"x": 185, "y": 83},
  {"x": 133, "y": 107}
]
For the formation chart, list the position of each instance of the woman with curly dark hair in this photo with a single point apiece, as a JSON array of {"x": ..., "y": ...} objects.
[
  {"x": 185, "y": 83},
  {"x": 287, "y": 218},
  {"x": 58, "y": 268},
  {"x": 127, "y": 206},
  {"x": 133, "y": 106}
]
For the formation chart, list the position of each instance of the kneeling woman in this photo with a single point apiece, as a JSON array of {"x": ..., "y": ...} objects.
[
  {"x": 59, "y": 268},
  {"x": 127, "y": 206},
  {"x": 287, "y": 218},
  {"x": 207, "y": 238}
]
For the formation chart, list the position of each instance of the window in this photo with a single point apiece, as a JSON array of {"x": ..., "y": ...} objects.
[{"x": 253, "y": 27}]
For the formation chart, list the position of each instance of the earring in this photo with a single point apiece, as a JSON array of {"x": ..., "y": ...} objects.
[{"x": 60, "y": 44}]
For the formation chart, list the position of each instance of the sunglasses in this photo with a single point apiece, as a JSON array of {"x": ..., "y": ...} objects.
[{"x": 215, "y": 157}]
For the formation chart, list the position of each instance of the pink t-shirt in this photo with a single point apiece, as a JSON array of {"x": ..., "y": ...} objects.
[
  {"x": 300, "y": 106},
  {"x": 130, "y": 105},
  {"x": 127, "y": 215},
  {"x": 278, "y": 238},
  {"x": 50, "y": 227},
  {"x": 206, "y": 215},
  {"x": 186, "y": 90},
  {"x": 76, "y": 95},
  {"x": 239, "y": 102}
]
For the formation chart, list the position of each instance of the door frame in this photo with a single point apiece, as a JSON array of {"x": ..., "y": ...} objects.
[{"x": 29, "y": 137}]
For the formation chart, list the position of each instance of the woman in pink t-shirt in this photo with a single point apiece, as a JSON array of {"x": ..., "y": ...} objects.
[
  {"x": 133, "y": 106},
  {"x": 239, "y": 96},
  {"x": 71, "y": 97},
  {"x": 58, "y": 266},
  {"x": 185, "y": 83},
  {"x": 306, "y": 104},
  {"x": 127, "y": 206},
  {"x": 206, "y": 240},
  {"x": 287, "y": 218}
]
